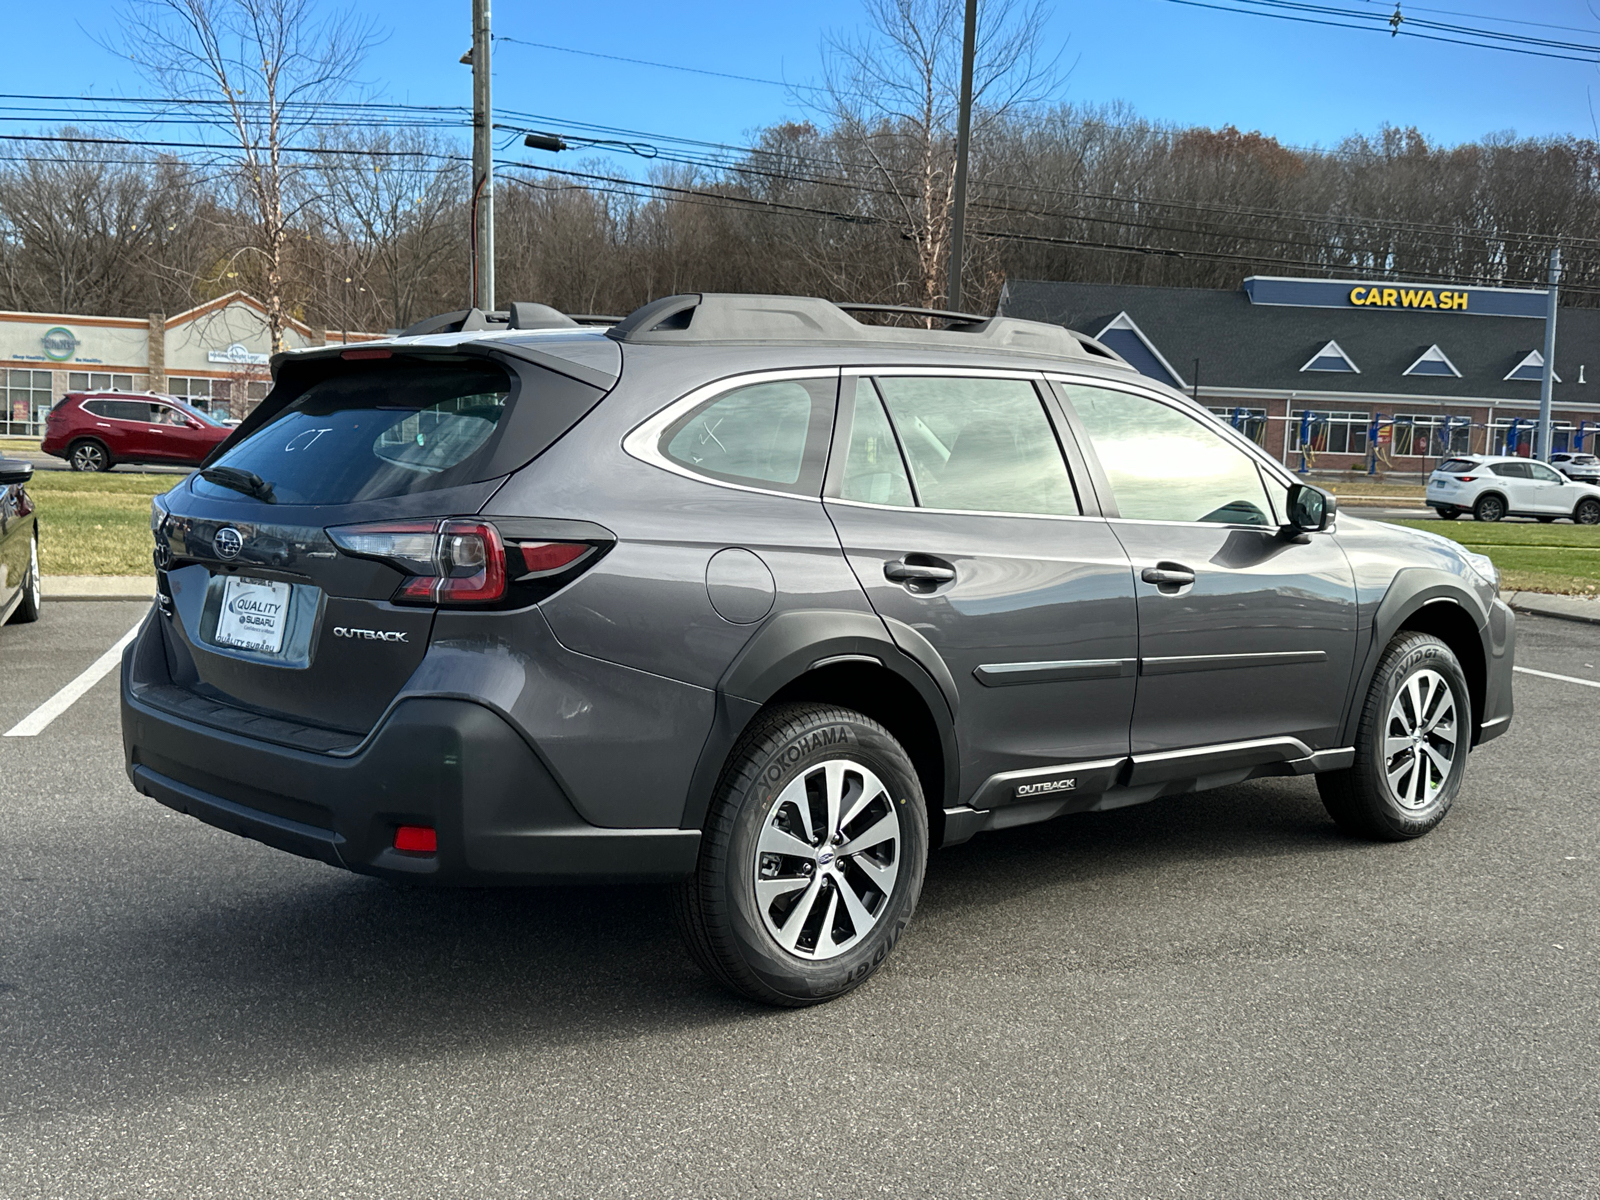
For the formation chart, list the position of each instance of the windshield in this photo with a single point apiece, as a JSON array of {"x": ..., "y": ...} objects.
[{"x": 387, "y": 429}]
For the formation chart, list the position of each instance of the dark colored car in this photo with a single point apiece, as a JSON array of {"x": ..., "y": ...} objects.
[
  {"x": 94, "y": 431},
  {"x": 749, "y": 596},
  {"x": 20, "y": 593}
]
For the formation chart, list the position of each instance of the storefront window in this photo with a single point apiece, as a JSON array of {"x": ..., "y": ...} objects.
[
  {"x": 1330, "y": 432},
  {"x": 26, "y": 393},
  {"x": 1252, "y": 422},
  {"x": 98, "y": 381}
]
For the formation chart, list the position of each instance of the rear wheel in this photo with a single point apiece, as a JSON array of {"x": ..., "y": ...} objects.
[
  {"x": 1411, "y": 745},
  {"x": 32, "y": 591},
  {"x": 812, "y": 859},
  {"x": 1448, "y": 513},
  {"x": 89, "y": 455},
  {"x": 1488, "y": 508},
  {"x": 1587, "y": 512}
]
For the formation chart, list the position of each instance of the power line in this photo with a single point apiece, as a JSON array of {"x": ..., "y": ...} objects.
[{"x": 644, "y": 62}]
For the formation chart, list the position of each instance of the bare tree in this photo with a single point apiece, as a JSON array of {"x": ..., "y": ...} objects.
[
  {"x": 263, "y": 71},
  {"x": 894, "y": 90}
]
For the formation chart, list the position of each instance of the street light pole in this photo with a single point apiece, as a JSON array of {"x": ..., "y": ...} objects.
[
  {"x": 958, "y": 224},
  {"x": 482, "y": 163},
  {"x": 1541, "y": 447}
]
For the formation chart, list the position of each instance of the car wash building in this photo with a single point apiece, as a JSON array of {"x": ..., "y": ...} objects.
[{"x": 1348, "y": 374}]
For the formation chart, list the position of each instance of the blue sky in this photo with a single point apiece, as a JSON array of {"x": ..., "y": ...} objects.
[{"x": 1301, "y": 84}]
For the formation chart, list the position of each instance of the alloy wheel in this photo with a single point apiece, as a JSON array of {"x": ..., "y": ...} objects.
[
  {"x": 1420, "y": 740},
  {"x": 1588, "y": 513},
  {"x": 827, "y": 859},
  {"x": 89, "y": 457}
]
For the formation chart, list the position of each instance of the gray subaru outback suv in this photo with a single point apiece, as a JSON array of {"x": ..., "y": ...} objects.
[{"x": 745, "y": 595}]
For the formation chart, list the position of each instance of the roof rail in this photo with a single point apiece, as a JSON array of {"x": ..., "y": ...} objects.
[
  {"x": 737, "y": 318},
  {"x": 518, "y": 315}
]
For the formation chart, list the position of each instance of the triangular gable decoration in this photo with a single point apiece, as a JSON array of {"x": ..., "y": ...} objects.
[
  {"x": 1433, "y": 361},
  {"x": 1128, "y": 340},
  {"x": 1331, "y": 358},
  {"x": 1531, "y": 369}
]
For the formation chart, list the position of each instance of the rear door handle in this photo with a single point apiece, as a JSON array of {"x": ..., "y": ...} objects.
[
  {"x": 929, "y": 574},
  {"x": 1168, "y": 575}
]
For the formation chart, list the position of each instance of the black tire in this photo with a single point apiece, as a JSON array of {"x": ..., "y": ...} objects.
[
  {"x": 717, "y": 911},
  {"x": 32, "y": 592},
  {"x": 1360, "y": 799},
  {"x": 1448, "y": 514},
  {"x": 1489, "y": 508},
  {"x": 1587, "y": 512},
  {"x": 88, "y": 454}
]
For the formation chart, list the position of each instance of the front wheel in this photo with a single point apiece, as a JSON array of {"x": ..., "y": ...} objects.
[
  {"x": 1587, "y": 512},
  {"x": 32, "y": 591},
  {"x": 1488, "y": 508},
  {"x": 1411, "y": 745},
  {"x": 812, "y": 859}
]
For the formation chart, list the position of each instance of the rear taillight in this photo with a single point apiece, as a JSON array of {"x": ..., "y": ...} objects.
[
  {"x": 458, "y": 561},
  {"x": 1466, "y": 478}
]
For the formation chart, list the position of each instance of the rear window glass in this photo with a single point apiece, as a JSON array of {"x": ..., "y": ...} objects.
[
  {"x": 1455, "y": 465},
  {"x": 767, "y": 435},
  {"x": 389, "y": 429}
]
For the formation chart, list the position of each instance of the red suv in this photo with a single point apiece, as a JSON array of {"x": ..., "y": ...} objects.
[{"x": 94, "y": 431}]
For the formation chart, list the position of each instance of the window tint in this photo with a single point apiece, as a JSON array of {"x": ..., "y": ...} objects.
[
  {"x": 1164, "y": 465},
  {"x": 120, "y": 410},
  {"x": 1511, "y": 470},
  {"x": 874, "y": 472},
  {"x": 979, "y": 445},
  {"x": 756, "y": 435},
  {"x": 1542, "y": 472},
  {"x": 383, "y": 430},
  {"x": 1458, "y": 466}
]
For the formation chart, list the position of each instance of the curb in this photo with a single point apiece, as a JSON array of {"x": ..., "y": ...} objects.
[
  {"x": 98, "y": 587},
  {"x": 1560, "y": 608}
]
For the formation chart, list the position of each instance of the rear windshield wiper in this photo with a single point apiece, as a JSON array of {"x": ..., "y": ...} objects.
[{"x": 240, "y": 480}]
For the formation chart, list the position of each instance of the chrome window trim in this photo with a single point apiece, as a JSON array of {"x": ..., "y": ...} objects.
[
  {"x": 643, "y": 441},
  {"x": 1035, "y": 376},
  {"x": 967, "y": 512}
]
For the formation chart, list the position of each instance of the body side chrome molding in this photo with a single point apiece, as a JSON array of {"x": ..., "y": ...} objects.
[
  {"x": 1182, "y": 664},
  {"x": 1008, "y": 674}
]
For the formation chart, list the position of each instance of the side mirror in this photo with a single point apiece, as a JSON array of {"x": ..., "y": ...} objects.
[
  {"x": 1311, "y": 510},
  {"x": 15, "y": 470}
]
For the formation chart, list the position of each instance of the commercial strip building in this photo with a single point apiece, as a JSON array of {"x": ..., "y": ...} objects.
[
  {"x": 1348, "y": 370},
  {"x": 214, "y": 355}
]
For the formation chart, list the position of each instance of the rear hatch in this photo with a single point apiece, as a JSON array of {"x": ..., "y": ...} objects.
[{"x": 284, "y": 614}]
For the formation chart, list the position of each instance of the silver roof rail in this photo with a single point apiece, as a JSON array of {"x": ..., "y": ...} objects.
[{"x": 712, "y": 317}]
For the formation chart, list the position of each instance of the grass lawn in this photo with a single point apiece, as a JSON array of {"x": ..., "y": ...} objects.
[
  {"x": 96, "y": 524},
  {"x": 16, "y": 445},
  {"x": 1531, "y": 557}
]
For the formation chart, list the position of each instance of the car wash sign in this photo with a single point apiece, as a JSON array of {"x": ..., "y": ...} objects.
[{"x": 1385, "y": 296}]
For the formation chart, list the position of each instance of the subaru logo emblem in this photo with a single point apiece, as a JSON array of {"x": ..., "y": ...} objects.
[{"x": 228, "y": 542}]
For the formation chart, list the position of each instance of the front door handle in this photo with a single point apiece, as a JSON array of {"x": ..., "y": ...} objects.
[
  {"x": 919, "y": 572},
  {"x": 1168, "y": 575}
]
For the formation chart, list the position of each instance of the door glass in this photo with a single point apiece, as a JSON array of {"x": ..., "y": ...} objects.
[
  {"x": 1543, "y": 473},
  {"x": 979, "y": 445},
  {"x": 1511, "y": 470},
  {"x": 1164, "y": 465},
  {"x": 756, "y": 435},
  {"x": 874, "y": 473}
]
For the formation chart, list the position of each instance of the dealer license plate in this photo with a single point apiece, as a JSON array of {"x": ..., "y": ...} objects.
[{"x": 254, "y": 614}]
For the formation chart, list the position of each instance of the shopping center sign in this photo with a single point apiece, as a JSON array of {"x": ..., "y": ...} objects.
[{"x": 1384, "y": 295}]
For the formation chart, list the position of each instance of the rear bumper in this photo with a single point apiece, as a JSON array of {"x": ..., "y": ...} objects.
[{"x": 451, "y": 764}]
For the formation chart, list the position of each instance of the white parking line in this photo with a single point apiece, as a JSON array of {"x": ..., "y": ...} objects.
[
  {"x": 36, "y": 721},
  {"x": 1563, "y": 678}
]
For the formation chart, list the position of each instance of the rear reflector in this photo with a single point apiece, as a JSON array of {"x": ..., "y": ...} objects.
[
  {"x": 541, "y": 557},
  {"x": 418, "y": 839}
]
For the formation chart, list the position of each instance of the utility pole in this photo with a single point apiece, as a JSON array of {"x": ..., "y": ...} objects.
[
  {"x": 958, "y": 226},
  {"x": 482, "y": 163},
  {"x": 1541, "y": 447}
]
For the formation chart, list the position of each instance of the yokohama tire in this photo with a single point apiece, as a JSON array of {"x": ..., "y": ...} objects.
[
  {"x": 1489, "y": 508},
  {"x": 723, "y": 923},
  {"x": 1363, "y": 799}
]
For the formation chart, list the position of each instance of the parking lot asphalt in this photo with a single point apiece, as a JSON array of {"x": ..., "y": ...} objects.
[{"x": 1215, "y": 995}]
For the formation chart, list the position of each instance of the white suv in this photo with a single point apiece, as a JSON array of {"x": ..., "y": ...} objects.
[{"x": 1494, "y": 487}]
